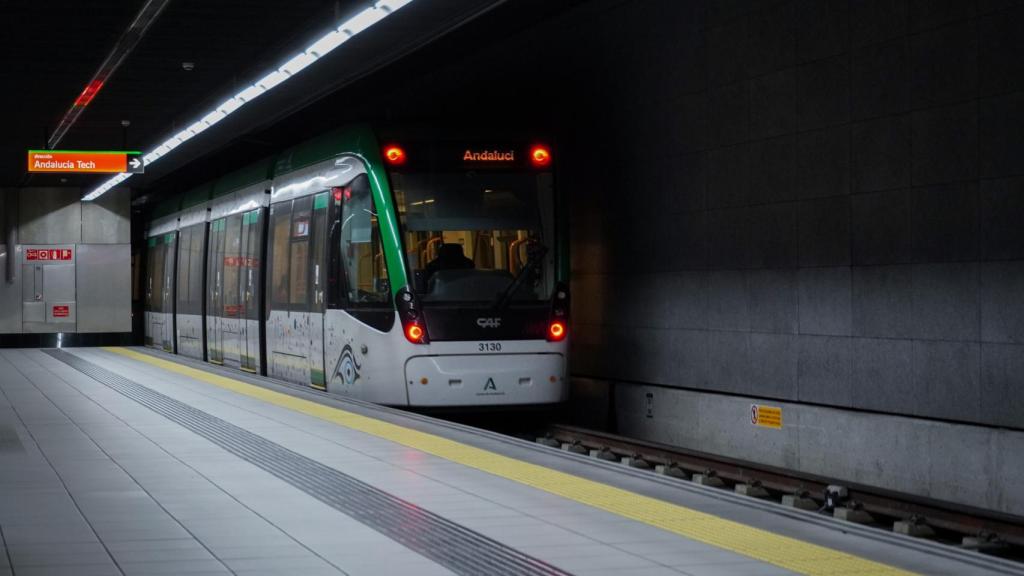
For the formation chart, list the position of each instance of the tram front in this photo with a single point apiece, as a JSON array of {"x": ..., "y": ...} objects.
[{"x": 487, "y": 304}]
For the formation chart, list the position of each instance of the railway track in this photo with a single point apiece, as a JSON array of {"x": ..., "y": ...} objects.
[{"x": 986, "y": 531}]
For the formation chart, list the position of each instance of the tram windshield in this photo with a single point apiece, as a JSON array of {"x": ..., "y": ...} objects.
[{"x": 468, "y": 235}]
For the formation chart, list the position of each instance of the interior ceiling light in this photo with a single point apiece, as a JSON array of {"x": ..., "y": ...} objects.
[{"x": 292, "y": 66}]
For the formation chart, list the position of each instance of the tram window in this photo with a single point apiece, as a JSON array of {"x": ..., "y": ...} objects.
[
  {"x": 361, "y": 248},
  {"x": 469, "y": 234},
  {"x": 299, "y": 271},
  {"x": 280, "y": 225}
]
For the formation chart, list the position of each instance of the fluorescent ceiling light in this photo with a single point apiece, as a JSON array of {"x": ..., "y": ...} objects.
[
  {"x": 272, "y": 79},
  {"x": 213, "y": 117},
  {"x": 329, "y": 42},
  {"x": 250, "y": 93},
  {"x": 293, "y": 66},
  {"x": 392, "y": 5},
  {"x": 230, "y": 105},
  {"x": 361, "y": 21}
]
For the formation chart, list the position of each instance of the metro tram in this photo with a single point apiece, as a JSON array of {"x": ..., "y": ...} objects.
[{"x": 403, "y": 271}]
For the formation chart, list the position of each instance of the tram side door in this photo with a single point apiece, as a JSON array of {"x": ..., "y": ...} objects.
[
  {"x": 233, "y": 319},
  {"x": 248, "y": 267},
  {"x": 170, "y": 253},
  {"x": 318, "y": 283},
  {"x": 154, "y": 271},
  {"x": 215, "y": 303}
]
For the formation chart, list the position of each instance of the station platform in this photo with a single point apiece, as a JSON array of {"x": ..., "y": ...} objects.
[{"x": 128, "y": 462}]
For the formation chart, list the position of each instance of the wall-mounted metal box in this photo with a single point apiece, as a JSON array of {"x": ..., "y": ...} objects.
[{"x": 48, "y": 288}]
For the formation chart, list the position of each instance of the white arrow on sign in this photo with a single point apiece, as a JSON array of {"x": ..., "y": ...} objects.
[{"x": 135, "y": 162}]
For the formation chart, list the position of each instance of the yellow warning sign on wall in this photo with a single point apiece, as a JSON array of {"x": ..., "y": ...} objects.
[{"x": 767, "y": 416}]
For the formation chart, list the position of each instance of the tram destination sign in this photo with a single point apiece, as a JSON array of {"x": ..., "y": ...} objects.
[{"x": 85, "y": 162}]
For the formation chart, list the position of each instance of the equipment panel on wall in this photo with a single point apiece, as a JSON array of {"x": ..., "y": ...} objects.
[{"x": 49, "y": 302}]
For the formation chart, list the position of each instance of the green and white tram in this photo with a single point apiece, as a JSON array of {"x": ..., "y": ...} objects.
[{"x": 404, "y": 271}]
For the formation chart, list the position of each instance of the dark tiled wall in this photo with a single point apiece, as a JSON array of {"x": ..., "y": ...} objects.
[{"x": 818, "y": 201}]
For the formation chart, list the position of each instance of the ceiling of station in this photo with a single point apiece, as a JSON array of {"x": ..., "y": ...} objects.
[{"x": 51, "y": 50}]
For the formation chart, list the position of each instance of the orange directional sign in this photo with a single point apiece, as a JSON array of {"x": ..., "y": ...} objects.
[{"x": 84, "y": 162}]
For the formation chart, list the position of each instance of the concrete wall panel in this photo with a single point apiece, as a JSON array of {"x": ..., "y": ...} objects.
[
  {"x": 50, "y": 216},
  {"x": 971, "y": 465},
  {"x": 10, "y": 295},
  {"x": 107, "y": 220},
  {"x": 104, "y": 288}
]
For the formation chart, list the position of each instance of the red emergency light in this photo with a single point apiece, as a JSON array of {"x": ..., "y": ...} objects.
[
  {"x": 394, "y": 155},
  {"x": 89, "y": 93},
  {"x": 540, "y": 156}
]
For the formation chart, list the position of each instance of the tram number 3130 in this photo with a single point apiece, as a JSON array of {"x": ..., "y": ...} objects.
[{"x": 489, "y": 347}]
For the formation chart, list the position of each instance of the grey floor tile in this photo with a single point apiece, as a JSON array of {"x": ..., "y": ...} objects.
[
  {"x": 702, "y": 557},
  {"x": 286, "y": 549},
  {"x": 107, "y": 569},
  {"x": 549, "y": 552},
  {"x": 655, "y": 571},
  {"x": 192, "y": 551},
  {"x": 602, "y": 561},
  {"x": 293, "y": 564},
  {"x": 173, "y": 567},
  {"x": 289, "y": 572},
  {"x": 66, "y": 553},
  {"x": 51, "y": 533}
]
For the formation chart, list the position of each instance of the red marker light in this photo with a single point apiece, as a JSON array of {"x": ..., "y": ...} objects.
[
  {"x": 556, "y": 331},
  {"x": 89, "y": 93},
  {"x": 337, "y": 194},
  {"x": 540, "y": 156},
  {"x": 414, "y": 333},
  {"x": 394, "y": 155}
]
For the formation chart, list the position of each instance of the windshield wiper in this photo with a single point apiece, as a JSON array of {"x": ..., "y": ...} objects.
[{"x": 534, "y": 258}]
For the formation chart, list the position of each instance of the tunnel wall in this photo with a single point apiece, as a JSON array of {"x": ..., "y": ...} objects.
[
  {"x": 819, "y": 202},
  {"x": 817, "y": 205}
]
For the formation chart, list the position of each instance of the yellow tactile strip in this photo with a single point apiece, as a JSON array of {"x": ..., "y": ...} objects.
[{"x": 789, "y": 553}]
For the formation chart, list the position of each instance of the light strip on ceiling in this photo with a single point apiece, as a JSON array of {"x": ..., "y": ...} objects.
[
  {"x": 292, "y": 66},
  {"x": 125, "y": 45}
]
